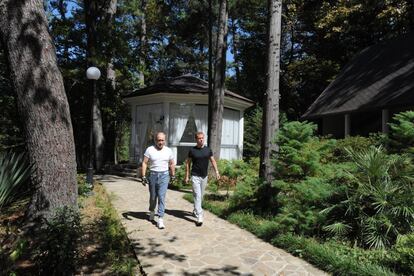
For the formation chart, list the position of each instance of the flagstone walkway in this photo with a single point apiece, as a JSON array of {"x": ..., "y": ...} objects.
[{"x": 216, "y": 248}]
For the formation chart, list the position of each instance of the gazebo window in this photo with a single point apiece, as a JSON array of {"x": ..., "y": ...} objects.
[
  {"x": 187, "y": 140},
  {"x": 189, "y": 131}
]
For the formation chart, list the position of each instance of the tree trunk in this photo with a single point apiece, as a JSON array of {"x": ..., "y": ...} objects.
[
  {"x": 236, "y": 44},
  {"x": 111, "y": 131},
  {"x": 42, "y": 104},
  {"x": 143, "y": 43},
  {"x": 217, "y": 101},
  {"x": 91, "y": 15},
  {"x": 271, "y": 98},
  {"x": 210, "y": 68}
]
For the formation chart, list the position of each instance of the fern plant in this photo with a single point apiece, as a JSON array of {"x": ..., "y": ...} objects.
[
  {"x": 402, "y": 132},
  {"x": 378, "y": 204},
  {"x": 14, "y": 171}
]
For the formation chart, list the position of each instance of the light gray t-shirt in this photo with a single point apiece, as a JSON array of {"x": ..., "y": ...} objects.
[{"x": 159, "y": 159}]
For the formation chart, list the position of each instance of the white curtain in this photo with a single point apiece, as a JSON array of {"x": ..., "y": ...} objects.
[
  {"x": 201, "y": 119},
  {"x": 179, "y": 115}
]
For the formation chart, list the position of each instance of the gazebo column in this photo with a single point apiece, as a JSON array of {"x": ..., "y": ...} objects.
[
  {"x": 241, "y": 132},
  {"x": 385, "y": 119},
  {"x": 132, "y": 143},
  {"x": 347, "y": 125}
]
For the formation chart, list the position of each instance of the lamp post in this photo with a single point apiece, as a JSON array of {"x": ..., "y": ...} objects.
[{"x": 93, "y": 74}]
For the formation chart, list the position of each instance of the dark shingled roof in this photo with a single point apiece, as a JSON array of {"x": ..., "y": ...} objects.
[
  {"x": 380, "y": 76},
  {"x": 185, "y": 84}
]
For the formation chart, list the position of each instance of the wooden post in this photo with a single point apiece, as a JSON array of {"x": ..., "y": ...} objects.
[
  {"x": 385, "y": 120},
  {"x": 347, "y": 125}
]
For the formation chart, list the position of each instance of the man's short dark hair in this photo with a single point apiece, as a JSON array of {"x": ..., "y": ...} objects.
[{"x": 198, "y": 133}]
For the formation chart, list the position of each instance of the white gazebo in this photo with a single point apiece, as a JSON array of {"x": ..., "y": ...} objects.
[{"x": 179, "y": 108}]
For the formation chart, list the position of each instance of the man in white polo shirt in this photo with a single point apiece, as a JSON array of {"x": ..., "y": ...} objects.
[{"x": 161, "y": 166}]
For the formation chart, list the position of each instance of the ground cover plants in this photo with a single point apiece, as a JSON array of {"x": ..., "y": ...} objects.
[
  {"x": 344, "y": 205},
  {"x": 88, "y": 240}
]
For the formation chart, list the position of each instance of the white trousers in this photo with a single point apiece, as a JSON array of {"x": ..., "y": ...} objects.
[{"x": 199, "y": 185}]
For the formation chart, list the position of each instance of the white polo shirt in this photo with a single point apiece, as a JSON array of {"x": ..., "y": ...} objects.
[{"x": 159, "y": 159}]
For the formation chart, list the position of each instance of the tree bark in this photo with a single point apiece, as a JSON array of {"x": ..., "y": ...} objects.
[
  {"x": 217, "y": 102},
  {"x": 111, "y": 131},
  {"x": 236, "y": 44},
  {"x": 143, "y": 43},
  {"x": 210, "y": 68},
  {"x": 42, "y": 103},
  {"x": 91, "y": 16},
  {"x": 271, "y": 98}
]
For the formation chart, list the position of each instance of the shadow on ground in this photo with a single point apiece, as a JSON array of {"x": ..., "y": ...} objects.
[{"x": 185, "y": 215}]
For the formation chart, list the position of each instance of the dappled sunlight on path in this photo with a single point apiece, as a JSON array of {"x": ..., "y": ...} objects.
[{"x": 216, "y": 248}]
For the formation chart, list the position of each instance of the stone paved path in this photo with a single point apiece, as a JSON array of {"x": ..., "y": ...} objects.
[{"x": 216, "y": 248}]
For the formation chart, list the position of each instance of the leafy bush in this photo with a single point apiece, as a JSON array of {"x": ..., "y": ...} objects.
[
  {"x": 355, "y": 143},
  {"x": 402, "y": 132},
  {"x": 14, "y": 172},
  {"x": 83, "y": 187},
  {"x": 334, "y": 258},
  {"x": 236, "y": 173},
  {"x": 179, "y": 182},
  {"x": 302, "y": 182},
  {"x": 296, "y": 157},
  {"x": 300, "y": 204},
  {"x": 378, "y": 202},
  {"x": 252, "y": 129},
  {"x": 58, "y": 251},
  {"x": 402, "y": 255}
]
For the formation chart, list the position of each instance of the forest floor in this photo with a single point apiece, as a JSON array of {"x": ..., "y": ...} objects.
[{"x": 96, "y": 256}]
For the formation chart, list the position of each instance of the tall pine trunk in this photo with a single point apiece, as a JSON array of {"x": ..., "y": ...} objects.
[
  {"x": 91, "y": 17},
  {"x": 216, "y": 106},
  {"x": 143, "y": 43},
  {"x": 42, "y": 104},
  {"x": 236, "y": 45},
  {"x": 111, "y": 130},
  {"x": 210, "y": 67},
  {"x": 271, "y": 99}
]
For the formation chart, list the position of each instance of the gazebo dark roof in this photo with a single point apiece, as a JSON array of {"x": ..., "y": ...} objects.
[
  {"x": 185, "y": 84},
  {"x": 380, "y": 76}
]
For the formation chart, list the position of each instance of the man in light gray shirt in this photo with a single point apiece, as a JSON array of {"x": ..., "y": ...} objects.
[{"x": 162, "y": 166}]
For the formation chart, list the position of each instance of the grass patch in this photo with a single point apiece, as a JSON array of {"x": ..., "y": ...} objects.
[{"x": 106, "y": 242}]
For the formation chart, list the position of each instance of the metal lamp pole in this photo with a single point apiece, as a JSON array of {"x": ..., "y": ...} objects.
[{"x": 92, "y": 74}]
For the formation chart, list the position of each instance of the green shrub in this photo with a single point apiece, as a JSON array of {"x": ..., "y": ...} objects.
[
  {"x": 84, "y": 188},
  {"x": 179, "y": 182},
  {"x": 300, "y": 204},
  {"x": 377, "y": 203},
  {"x": 402, "y": 133},
  {"x": 296, "y": 157},
  {"x": 334, "y": 258},
  {"x": 15, "y": 171},
  {"x": 355, "y": 143},
  {"x": 234, "y": 173},
  {"x": 252, "y": 130},
  {"x": 402, "y": 255},
  {"x": 58, "y": 251}
]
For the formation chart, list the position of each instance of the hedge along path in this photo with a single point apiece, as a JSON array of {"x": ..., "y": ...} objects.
[{"x": 216, "y": 248}]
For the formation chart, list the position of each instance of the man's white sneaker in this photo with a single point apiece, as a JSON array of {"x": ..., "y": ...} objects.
[
  {"x": 151, "y": 216},
  {"x": 199, "y": 221},
  {"x": 161, "y": 223}
]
